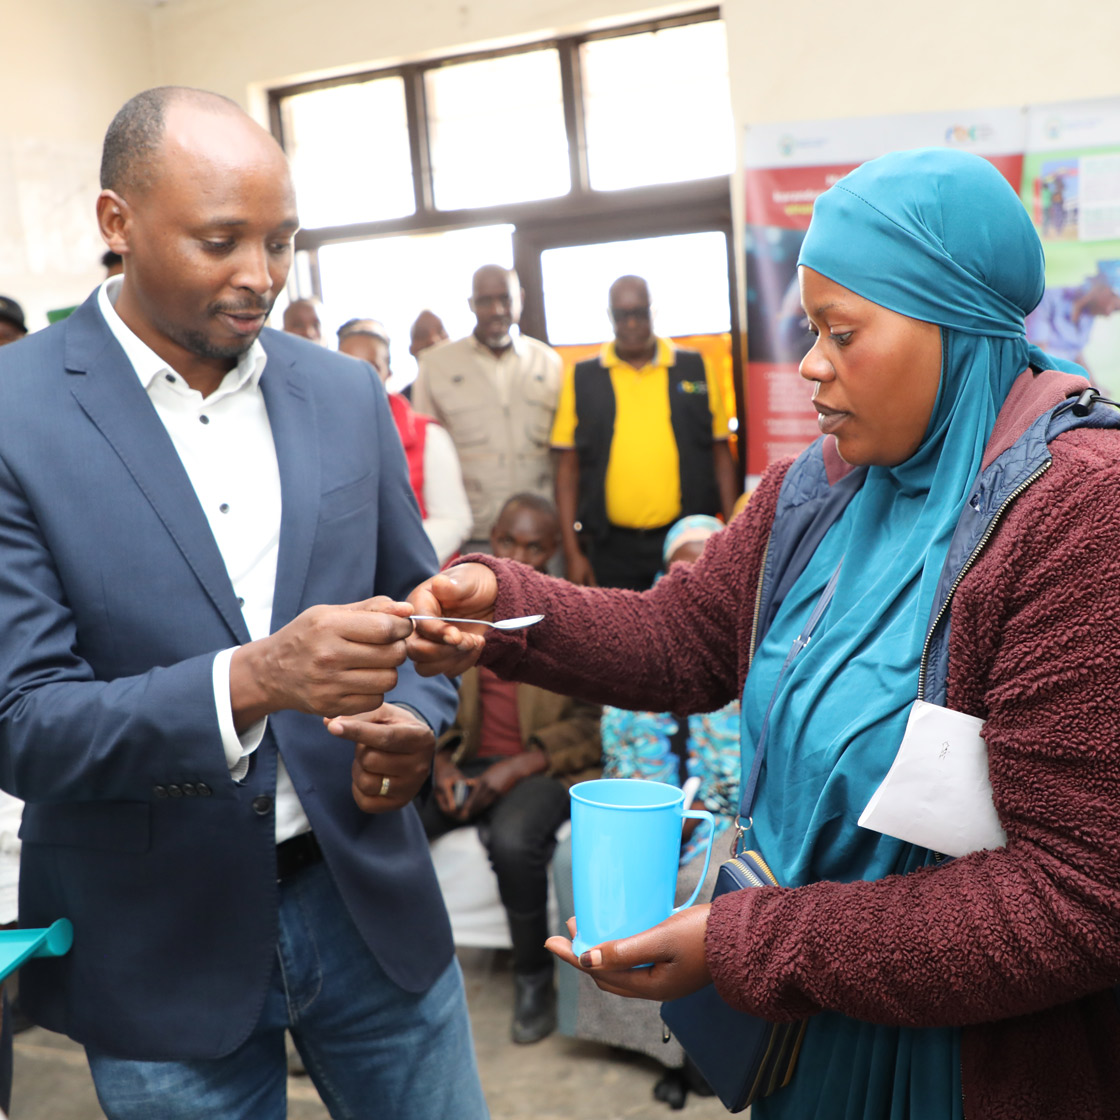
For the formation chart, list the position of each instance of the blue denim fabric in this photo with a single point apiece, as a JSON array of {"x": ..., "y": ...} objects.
[{"x": 372, "y": 1049}]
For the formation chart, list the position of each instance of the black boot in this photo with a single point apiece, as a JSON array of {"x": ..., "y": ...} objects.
[
  {"x": 534, "y": 1007},
  {"x": 672, "y": 1088}
]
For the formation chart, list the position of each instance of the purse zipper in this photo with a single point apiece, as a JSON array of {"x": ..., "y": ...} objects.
[
  {"x": 758, "y": 601},
  {"x": 980, "y": 545},
  {"x": 766, "y": 880}
]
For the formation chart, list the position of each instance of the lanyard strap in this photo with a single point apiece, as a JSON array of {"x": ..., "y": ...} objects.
[{"x": 746, "y": 802}]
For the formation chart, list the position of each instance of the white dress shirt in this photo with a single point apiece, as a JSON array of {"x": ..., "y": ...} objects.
[
  {"x": 447, "y": 511},
  {"x": 225, "y": 444}
]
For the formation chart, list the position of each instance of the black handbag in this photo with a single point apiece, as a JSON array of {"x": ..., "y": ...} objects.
[{"x": 741, "y": 1056}]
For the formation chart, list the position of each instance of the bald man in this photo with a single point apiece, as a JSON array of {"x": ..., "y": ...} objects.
[
  {"x": 426, "y": 330},
  {"x": 495, "y": 392},
  {"x": 301, "y": 317},
  {"x": 205, "y": 535}
]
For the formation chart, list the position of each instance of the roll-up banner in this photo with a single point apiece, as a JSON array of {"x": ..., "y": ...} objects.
[{"x": 786, "y": 167}]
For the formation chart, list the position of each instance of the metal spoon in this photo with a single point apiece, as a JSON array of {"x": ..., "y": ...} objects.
[{"x": 502, "y": 624}]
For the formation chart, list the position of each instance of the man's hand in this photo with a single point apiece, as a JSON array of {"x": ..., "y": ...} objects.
[
  {"x": 328, "y": 661},
  {"x": 578, "y": 570},
  {"x": 497, "y": 780},
  {"x": 464, "y": 591},
  {"x": 444, "y": 776},
  {"x": 393, "y": 753},
  {"x": 675, "y": 949}
]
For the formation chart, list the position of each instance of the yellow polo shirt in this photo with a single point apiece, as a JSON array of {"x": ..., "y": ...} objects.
[{"x": 643, "y": 472}]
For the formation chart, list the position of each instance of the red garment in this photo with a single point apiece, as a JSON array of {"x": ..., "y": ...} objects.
[
  {"x": 500, "y": 731},
  {"x": 412, "y": 427},
  {"x": 1018, "y": 946}
]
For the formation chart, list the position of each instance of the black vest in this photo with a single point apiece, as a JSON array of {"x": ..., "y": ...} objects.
[{"x": 691, "y": 417}]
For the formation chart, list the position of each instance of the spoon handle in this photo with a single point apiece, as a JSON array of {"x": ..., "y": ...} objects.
[{"x": 440, "y": 618}]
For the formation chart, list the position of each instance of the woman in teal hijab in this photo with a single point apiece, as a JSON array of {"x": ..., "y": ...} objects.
[
  {"x": 916, "y": 287},
  {"x": 916, "y": 275}
]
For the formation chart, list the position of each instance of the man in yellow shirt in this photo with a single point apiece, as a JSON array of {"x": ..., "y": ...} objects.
[{"x": 641, "y": 437}]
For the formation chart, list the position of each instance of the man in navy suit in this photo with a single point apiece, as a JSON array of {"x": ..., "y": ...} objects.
[{"x": 205, "y": 532}]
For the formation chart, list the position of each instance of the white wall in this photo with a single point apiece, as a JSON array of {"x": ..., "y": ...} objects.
[
  {"x": 238, "y": 46},
  {"x": 824, "y": 58},
  {"x": 66, "y": 66},
  {"x": 817, "y": 58}
]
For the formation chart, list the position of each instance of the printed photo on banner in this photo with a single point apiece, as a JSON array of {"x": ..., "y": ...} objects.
[{"x": 1071, "y": 188}]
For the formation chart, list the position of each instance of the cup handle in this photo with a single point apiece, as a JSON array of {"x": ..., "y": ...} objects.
[{"x": 700, "y": 815}]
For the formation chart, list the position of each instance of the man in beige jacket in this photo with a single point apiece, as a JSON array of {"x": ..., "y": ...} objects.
[{"x": 495, "y": 392}]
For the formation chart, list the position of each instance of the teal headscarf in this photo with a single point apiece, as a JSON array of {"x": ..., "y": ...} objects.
[
  {"x": 936, "y": 235},
  {"x": 940, "y": 236}
]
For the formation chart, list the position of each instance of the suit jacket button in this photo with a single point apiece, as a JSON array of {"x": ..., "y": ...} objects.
[
  {"x": 159, "y": 791},
  {"x": 174, "y": 791},
  {"x": 262, "y": 805},
  {"x": 189, "y": 789},
  {"x": 203, "y": 789}
]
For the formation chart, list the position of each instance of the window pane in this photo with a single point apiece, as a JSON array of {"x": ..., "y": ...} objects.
[
  {"x": 658, "y": 107},
  {"x": 686, "y": 273},
  {"x": 350, "y": 154},
  {"x": 393, "y": 279},
  {"x": 497, "y": 131}
]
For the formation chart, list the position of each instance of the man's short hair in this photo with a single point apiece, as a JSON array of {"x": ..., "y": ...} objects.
[
  {"x": 11, "y": 312},
  {"x": 531, "y": 501},
  {"x": 371, "y": 328},
  {"x": 134, "y": 136}
]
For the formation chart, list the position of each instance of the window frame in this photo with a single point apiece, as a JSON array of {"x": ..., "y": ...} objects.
[
  {"x": 581, "y": 216},
  {"x": 581, "y": 199}
]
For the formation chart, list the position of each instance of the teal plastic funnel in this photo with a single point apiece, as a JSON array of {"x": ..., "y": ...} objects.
[{"x": 16, "y": 945}]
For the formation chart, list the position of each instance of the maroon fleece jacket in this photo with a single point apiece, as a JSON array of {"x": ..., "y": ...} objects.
[{"x": 1018, "y": 946}]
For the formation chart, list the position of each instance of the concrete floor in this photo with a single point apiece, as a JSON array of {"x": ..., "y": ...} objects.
[{"x": 556, "y": 1079}]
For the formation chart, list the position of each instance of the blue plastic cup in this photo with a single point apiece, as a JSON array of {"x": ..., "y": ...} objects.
[{"x": 626, "y": 849}]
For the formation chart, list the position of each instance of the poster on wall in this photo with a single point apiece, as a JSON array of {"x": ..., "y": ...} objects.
[
  {"x": 786, "y": 166},
  {"x": 1071, "y": 189}
]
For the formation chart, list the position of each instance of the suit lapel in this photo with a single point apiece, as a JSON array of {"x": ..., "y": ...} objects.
[
  {"x": 291, "y": 414},
  {"x": 111, "y": 395}
]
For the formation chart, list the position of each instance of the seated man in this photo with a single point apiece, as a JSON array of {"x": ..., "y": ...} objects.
[{"x": 505, "y": 765}]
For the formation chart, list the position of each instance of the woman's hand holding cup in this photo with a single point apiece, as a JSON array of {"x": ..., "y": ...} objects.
[{"x": 661, "y": 963}]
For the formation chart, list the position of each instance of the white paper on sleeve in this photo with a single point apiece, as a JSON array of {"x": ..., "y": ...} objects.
[{"x": 937, "y": 793}]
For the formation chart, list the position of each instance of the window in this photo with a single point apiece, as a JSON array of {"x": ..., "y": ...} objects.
[
  {"x": 641, "y": 107},
  {"x": 393, "y": 279},
  {"x": 686, "y": 273},
  {"x": 350, "y": 153},
  {"x": 658, "y": 107},
  {"x": 577, "y": 158},
  {"x": 497, "y": 131}
]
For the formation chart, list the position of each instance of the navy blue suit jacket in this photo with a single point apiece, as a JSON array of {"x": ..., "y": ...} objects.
[{"x": 113, "y": 601}]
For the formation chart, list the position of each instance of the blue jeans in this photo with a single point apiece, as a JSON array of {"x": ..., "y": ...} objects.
[{"x": 372, "y": 1049}]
